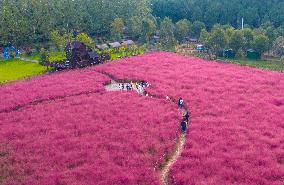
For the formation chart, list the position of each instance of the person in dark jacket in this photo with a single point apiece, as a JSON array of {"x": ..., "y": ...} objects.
[{"x": 183, "y": 126}]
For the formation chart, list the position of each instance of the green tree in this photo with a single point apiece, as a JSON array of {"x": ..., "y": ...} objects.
[
  {"x": 248, "y": 38},
  {"x": 217, "y": 41},
  {"x": 148, "y": 28},
  {"x": 196, "y": 28},
  {"x": 236, "y": 41},
  {"x": 260, "y": 43},
  {"x": 204, "y": 37},
  {"x": 117, "y": 27},
  {"x": 182, "y": 29},
  {"x": 135, "y": 26},
  {"x": 229, "y": 32},
  {"x": 271, "y": 34},
  {"x": 167, "y": 34}
]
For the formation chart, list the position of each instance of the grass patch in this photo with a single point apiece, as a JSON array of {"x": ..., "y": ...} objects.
[
  {"x": 14, "y": 69},
  {"x": 117, "y": 55},
  {"x": 275, "y": 65}
]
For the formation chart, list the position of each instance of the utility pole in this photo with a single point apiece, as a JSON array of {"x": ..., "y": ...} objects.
[{"x": 242, "y": 23}]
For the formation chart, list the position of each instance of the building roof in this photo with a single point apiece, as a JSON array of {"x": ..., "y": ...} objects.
[
  {"x": 128, "y": 42},
  {"x": 102, "y": 46},
  {"x": 114, "y": 44}
]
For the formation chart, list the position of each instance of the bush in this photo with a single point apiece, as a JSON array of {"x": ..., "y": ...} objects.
[
  {"x": 134, "y": 49},
  {"x": 86, "y": 39}
]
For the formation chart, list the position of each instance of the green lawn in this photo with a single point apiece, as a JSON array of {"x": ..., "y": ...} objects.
[
  {"x": 15, "y": 69},
  {"x": 275, "y": 65}
]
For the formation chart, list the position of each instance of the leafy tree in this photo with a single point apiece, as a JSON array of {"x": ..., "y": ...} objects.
[
  {"x": 117, "y": 27},
  {"x": 217, "y": 41},
  {"x": 204, "y": 37},
  {"x": 135, "y": 26},
  {"x": 248, "y": 38},
  {"x": 229, "y": 32},
  {"x": 182, "y": 29},
  {"x": 278, "y": 46},
  {"x": 260, "y": 43},
  {"x": 148, "y": 28},
  {"x": 196, "y": 28},
  {"x": 167, "y": 34},
  {"x": 271, "y": 35},
  {"x": 236, "y": 41}
]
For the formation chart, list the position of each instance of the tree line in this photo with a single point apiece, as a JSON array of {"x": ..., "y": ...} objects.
[
  {"x": 26, "y": 22},
  {"x": 254, "y": 12}
]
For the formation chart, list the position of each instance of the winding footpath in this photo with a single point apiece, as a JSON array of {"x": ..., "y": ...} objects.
[
  {"x": 173, "y": 158},
  {"x": 138, "y": 86}
]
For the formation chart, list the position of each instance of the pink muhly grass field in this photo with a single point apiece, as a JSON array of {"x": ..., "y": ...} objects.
[
  {"x": 237, "y": 130},
  {"x": 49, "y": 86},
  {"x": 236, "y": 134},
  {"x": 103, "y": 138}
]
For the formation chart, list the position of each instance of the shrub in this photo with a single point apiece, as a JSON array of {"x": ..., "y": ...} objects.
[{"x": 86, "y": 39}]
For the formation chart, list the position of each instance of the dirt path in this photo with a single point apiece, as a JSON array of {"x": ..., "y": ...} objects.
[
  {"x": 29, "y": 60},
  {"x": 172, "y": 159}
]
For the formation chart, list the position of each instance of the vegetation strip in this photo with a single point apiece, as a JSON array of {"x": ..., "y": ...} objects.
[{"x": 181, "y": 140}]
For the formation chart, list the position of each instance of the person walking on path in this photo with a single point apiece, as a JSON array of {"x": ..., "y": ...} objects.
[
  {"x": 186, "y": 115},
  {"x": 180, "y": 103},
  {"x": 183, "y": 126}
]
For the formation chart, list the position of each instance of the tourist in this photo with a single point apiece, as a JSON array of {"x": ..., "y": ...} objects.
[
  {"x": 186, "y": 116},
  {"x": 183, "y": 126},
  {"x": 180, "y": 103},
  {"x": 128, "y": 86}
]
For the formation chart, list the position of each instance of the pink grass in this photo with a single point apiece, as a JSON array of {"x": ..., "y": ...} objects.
[
  {"x": 236, "y": 134},
  {"x": 237, "y": 130},
  {"x": 90, "y": 140}
]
